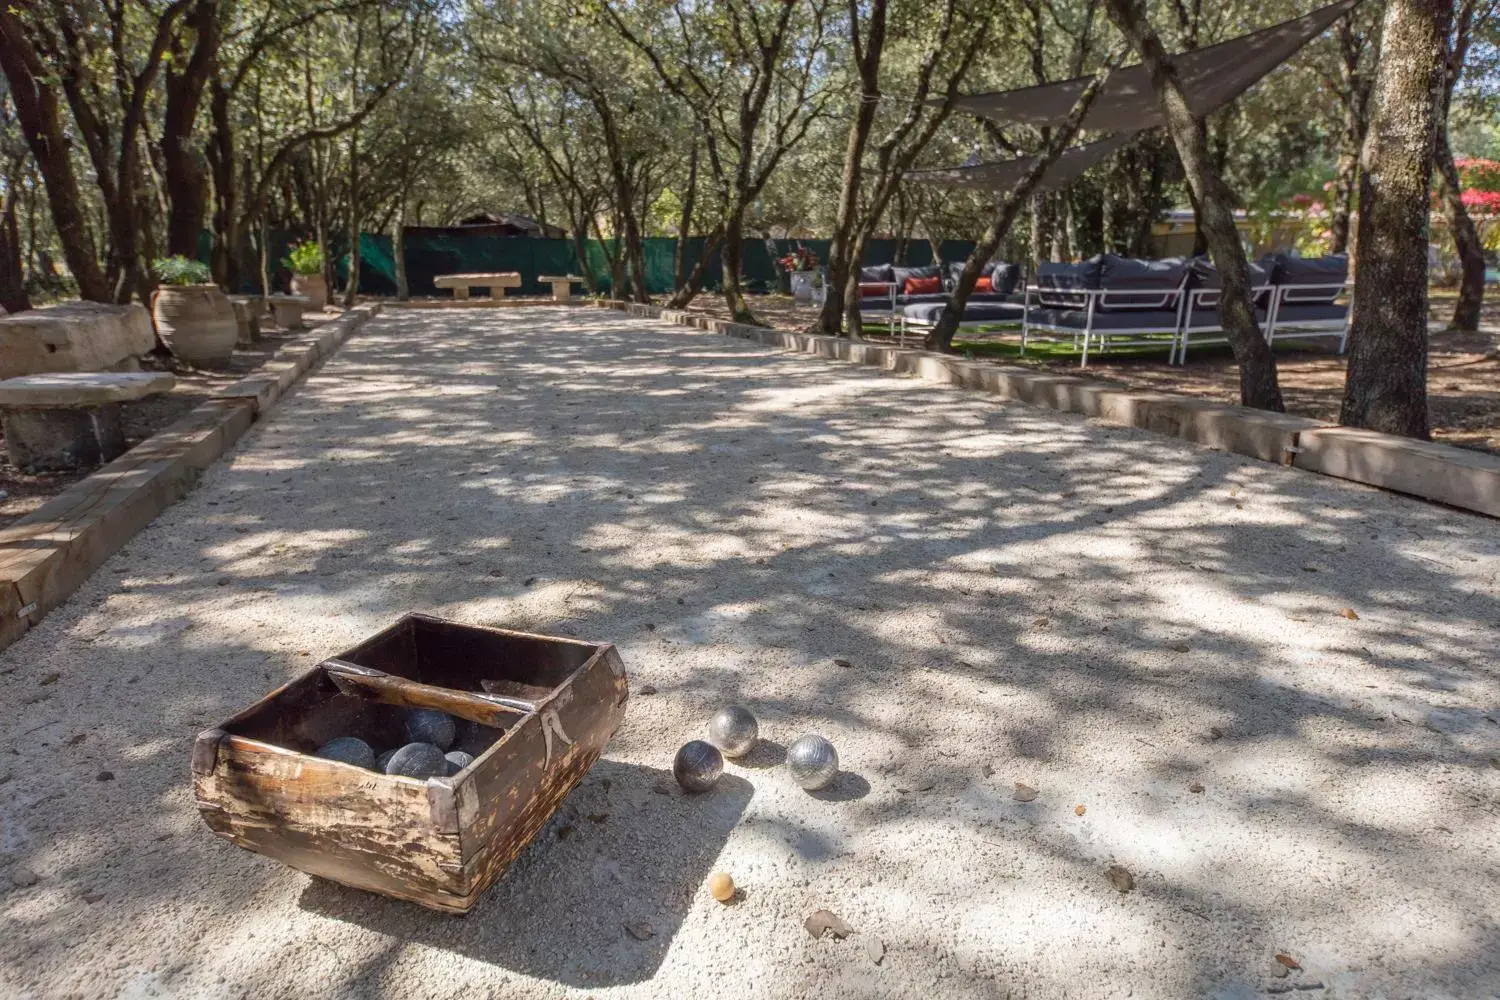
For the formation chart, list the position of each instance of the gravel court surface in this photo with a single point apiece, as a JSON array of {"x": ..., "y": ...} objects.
[{"x": 1112, "y": 618}]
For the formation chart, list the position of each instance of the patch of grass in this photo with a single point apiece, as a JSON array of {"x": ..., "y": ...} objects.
[{"x": 1042, "y": 350}]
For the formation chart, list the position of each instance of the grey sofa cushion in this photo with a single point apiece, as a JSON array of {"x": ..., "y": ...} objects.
[
  {"x": 875, "y": 272},
  {"x": 986, "y": 311},
  {"x": 1053, "y": 281},
  {"x": 1141, "y": 285},
  {"x": 900, "y": 274},
  {"x": 1002, "y": 276},
  {"x": 1205, "y": 275},
  {"x": 1293, "y": 271},
  {"x": 1153, "y": 320}
]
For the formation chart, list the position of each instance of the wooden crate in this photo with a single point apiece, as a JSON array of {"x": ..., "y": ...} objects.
[{"x": 537, "y": 712}]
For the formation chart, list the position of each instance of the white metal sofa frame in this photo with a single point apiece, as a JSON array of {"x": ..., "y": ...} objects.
[
  {"x": 1206, "y": 299},
  {"x": 1091, "y": 299}
]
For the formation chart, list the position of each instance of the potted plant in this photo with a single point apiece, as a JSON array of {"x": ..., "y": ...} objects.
[
  {"x": 192, "y": 314},
  {"x": 801, "y": 266},
  {"x": 305, "y": 261}
]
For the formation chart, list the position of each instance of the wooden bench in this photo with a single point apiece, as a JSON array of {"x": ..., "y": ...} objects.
[
  {"x": 70, "y": 420},
  {"x": 461, "y": 283},
  {"x": 562, "y": 285},
  {"x": 289, "y": 310}
]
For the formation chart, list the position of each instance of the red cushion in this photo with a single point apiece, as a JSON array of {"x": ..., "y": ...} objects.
[
  {"x": 984, "y": 285},
  {"x": 873, "y": 289},
  {"x": 922, "y": 286}
]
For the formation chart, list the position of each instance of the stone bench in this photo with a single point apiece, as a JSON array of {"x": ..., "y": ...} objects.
[
  {"x": 289, "y": 310},
  {"x": 562, "y": 285},
  {"x": 248, "y": 309},
  {"x": 74, "y": 337},
  {"x": 65, "y": 421},
  {"x": 461, "y": 283}
]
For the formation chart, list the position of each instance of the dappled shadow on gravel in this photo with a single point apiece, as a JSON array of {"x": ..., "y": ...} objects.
[
  {"x": 1110, "y": 617},
  {"x": 596, "y": 867}
]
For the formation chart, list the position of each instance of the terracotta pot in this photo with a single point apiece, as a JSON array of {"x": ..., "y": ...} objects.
[
  {"x": 197, "y": 322},
  {"x": 313, "y": 288}
]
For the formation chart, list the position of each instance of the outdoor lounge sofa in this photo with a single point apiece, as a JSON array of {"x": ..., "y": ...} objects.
[
  {"x": 887, "y": 290},
  {"x": 1296, "y": 298},
  {"x": 1106, "y": 302}
]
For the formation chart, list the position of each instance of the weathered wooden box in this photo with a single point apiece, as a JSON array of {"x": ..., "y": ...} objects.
[{"x": 538, "y": 711}]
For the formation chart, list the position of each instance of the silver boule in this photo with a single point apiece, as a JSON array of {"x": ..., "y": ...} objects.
[
  {"x": 457, "y": 761},
  {"x": 418, "y": 760},
  {"x": 348, "y": 750},
  {"x": 697, "y": 766},
  {"x": 428, "y": 725},
  {"x": 813, "y": 761},
  {"x": 733, "y": 730}
]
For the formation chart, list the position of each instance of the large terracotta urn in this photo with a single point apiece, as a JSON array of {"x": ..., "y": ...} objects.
[
  {"x": 312, "y": 287},
  {"x": 197, "y": 322}
]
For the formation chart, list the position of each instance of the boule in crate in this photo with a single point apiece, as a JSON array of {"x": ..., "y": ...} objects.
[{"x": 534, "y": 712}]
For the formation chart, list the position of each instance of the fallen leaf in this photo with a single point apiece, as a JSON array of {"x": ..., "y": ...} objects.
[
  {"x": 988, "y": 771},
  {"x": 598, "y": 817},
  {"x": 1023, "y": 793},
  {"x": 821, "y": 922},
  {"x": 1309, "y": 568},
  {"x": 564, "y": 832},
  {"x": 49, "y": 679},
  {"x": 1079, "y": 809},
  {"x": 640, "y": 930},
  {"x": 645, "y": 689},
  {"x": 842, "y": 663},
  {"x": 1195, "y": 788},
  {"x": 1288, "y": 961},
  {"x": 1120, "y": 877},
  {"x": 1215, "y": 733},
  {"x": 875, "y": 948},
  {"x": 1350, "y": 614},
  {"x": 1180, "y": 647},
  {"x": 1042, "y": 622}
]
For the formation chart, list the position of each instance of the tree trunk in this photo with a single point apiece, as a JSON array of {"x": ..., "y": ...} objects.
[
  {"x": 841, "y": 261},
  {"x": 732, "y": 257},
  {"x": 1465, "y": 236},
  {"x": 1386, "y": 385},
  {"x": 688, "y": 290},
  {"x": 187, "y": 182},
  {"x": 398, "y": 251},
  {"x": 685, "y": 224},
  {"x": 13, "y": 297},
  {"x": 38, "y": 113},
  {"x": 1346, "y": 178},
  {"x": 1214, "y": 205},
  {"x": 351, "y": 290}
]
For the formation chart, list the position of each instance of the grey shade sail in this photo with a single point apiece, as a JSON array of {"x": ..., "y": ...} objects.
[
  {"x": 1002, "y": 175},
  {"x": 1211, "y": 78}
]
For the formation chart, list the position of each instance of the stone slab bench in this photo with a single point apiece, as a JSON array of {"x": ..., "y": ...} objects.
[
  {"x": 74, "y": 337},
  {"x": 248, "y": 309},
  {"x": 562, "y": 285},
  {"x": 289, "y": 310},
  {"x": 70, "y": 420},
  {"x": 462, "y": 283}
]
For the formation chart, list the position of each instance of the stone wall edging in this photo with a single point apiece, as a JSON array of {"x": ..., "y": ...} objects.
[
  {"x": 48, "y": 554},
  {"x": 1458, "y": 477}
]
